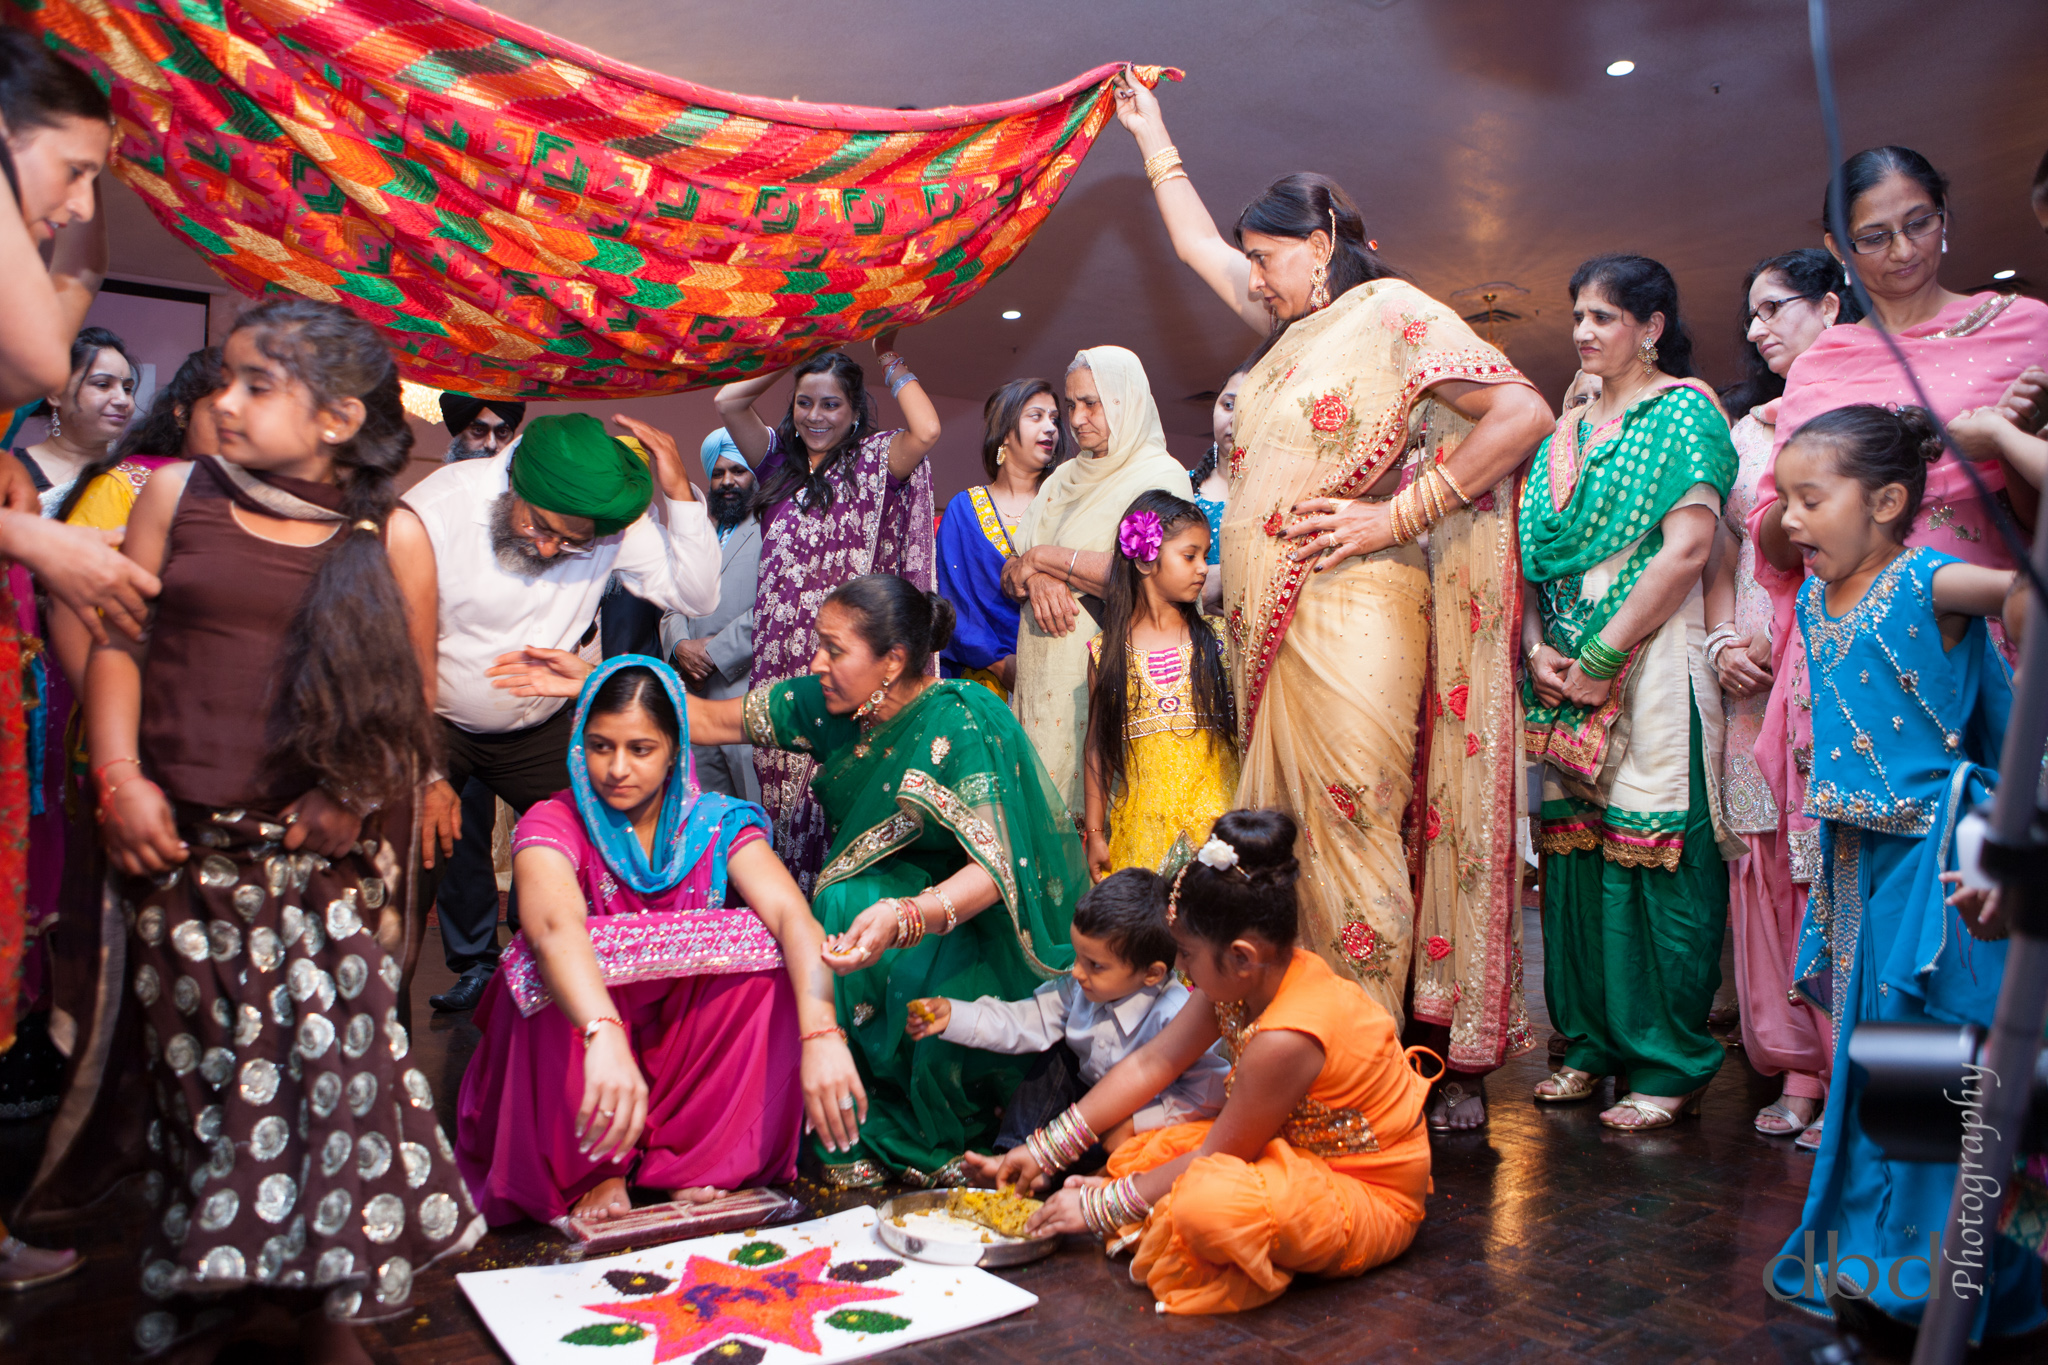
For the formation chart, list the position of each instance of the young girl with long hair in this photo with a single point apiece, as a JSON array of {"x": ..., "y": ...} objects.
[
  {"x": 1911, "y": 698},
  {"x": 244, "y": 759},
  {"x": 1161, "y": 754},
  {"x": 1319, "y": 1161}
]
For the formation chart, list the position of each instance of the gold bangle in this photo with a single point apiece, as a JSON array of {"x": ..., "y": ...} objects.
[
  {"x": 1175, "y": 174},
  {"x": 1168, "y": 155},
  {"x": 1452, "y": 484}
]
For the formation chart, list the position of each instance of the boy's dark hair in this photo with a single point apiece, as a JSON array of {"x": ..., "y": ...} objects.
[{"x": 1127, "y": 910}]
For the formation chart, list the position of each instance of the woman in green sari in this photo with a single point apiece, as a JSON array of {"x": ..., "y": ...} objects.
[
  {"x": 953, "y": 870},
  {"x": 1617, "y": 518}
]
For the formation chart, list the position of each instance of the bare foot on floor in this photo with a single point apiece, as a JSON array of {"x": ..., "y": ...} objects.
[
  {"x": 698, "y": 1194},
  {"x": 607, "y": 1200}
]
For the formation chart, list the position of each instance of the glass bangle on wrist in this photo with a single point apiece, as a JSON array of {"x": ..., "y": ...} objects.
[{"x": 1600, "y": 660}]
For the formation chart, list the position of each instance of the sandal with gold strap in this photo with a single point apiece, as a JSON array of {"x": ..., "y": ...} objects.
[
  {"x": 1655, "y": 1116},
  {"x": 1572, "y": 1086}
]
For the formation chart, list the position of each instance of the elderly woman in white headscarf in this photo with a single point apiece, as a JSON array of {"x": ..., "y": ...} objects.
[{"x": 1065, "y": 545}]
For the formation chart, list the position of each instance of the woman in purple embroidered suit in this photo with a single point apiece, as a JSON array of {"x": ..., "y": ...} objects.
[
  {"x": 640, "y": 1029},
  {"x": 859, "y": 502}
]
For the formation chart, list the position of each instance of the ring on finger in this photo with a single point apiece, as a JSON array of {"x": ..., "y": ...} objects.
[{"x": 846, "y": 1101}]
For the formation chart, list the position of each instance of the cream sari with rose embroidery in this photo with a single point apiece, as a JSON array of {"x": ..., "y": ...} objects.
[{"x": 1354, "y": 683}]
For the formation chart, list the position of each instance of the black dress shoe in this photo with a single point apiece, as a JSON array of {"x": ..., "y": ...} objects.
[{"x": 464, "y": 994}]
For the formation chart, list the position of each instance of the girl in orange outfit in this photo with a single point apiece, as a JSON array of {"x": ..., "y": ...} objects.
[{"x": 1319, "y": 1161}]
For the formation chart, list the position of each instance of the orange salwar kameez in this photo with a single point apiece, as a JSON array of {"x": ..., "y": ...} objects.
[{"x": 1337, "y": 1192}]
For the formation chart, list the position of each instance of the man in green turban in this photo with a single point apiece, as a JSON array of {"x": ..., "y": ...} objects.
[
  {"x": 572, "y": 467},
  {"x": 525, "y": 543}
]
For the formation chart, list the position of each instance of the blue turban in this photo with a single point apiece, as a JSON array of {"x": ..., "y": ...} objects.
[{"x": 719, "y": 446}]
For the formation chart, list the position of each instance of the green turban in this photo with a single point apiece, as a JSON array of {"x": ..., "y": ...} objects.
[{"x": 571, "y": 465}]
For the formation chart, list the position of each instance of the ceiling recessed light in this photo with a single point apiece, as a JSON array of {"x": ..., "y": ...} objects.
[
  {"x": 2004, "y": 274},
  {"x": 1011, "y": 315},
  {"x": 1620, "y": 68}
]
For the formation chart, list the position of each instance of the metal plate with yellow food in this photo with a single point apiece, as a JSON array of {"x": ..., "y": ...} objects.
[{"x": 963, "y": 1227}]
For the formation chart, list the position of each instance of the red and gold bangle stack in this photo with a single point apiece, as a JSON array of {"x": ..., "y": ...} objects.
[
  {"x": 1061, "y": 1142},
  {"x": 910, "y": 926},
  {"x": 1105, "y": 1208}
]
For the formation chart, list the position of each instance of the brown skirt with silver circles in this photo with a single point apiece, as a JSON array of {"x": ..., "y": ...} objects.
[{"x": 293, "y": 1148}]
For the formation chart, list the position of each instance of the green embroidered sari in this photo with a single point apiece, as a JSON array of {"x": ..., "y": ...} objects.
[{"x": 948, "y": 779}]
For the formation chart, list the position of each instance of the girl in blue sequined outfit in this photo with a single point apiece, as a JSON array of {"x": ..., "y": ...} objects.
[{"x": 1910, "y": 702}]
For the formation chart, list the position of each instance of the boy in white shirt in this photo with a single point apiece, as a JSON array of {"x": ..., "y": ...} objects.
[{"x": 1121, "y": 993}]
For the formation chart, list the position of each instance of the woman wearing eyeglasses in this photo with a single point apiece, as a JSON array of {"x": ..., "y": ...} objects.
[
  {"x": 1793, "y": 299},
  {"x": 1967, "y": 349}
]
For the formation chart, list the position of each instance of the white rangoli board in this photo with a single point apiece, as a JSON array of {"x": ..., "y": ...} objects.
[{"x": 731, "y": 1291}]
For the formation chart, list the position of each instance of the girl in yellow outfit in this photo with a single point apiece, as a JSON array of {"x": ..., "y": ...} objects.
[
  {"x": 1161, "y": 763},
  {"x": 1319, "y": 1162}
]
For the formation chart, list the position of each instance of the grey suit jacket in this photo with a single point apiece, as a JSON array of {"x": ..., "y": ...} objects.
[{"x": 729, "y": 630}]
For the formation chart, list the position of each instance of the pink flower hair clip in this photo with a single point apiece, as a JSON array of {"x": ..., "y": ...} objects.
[{"x": 1140, "y": 536}]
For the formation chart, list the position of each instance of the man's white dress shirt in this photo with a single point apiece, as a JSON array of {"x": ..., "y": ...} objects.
[{"x": 668, "y": 557}]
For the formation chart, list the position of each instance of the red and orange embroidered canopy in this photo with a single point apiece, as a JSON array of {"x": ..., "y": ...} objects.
[{"x": 523, "y": 217}]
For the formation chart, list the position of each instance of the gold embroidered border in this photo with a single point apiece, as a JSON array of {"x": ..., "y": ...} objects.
[
  {"x": 992, "y": 528},
  {"x": 757, "y": 720},
  {"x": 870, "y": 848},
  {"x": 922, "y": 791},
  {"x": 1635, "y": 855},
  {"x": 1577, "y": 839}
]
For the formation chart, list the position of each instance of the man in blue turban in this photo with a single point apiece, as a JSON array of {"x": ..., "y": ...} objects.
[{"x": 715, "y": 652}]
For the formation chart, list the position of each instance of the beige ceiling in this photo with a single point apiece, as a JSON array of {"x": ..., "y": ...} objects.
[{"x": 1482, "y": 138}]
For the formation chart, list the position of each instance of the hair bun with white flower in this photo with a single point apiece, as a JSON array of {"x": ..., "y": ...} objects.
[{"x": 1217, "y": 854}]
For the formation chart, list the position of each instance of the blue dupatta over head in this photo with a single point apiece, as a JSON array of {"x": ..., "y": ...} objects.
[{"x": 692, "y": 820}]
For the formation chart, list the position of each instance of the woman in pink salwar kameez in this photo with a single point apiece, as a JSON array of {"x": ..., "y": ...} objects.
[{"x": 641, "y": 1031}]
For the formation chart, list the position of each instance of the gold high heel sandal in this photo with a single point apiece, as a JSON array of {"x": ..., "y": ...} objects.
[
  {"x": 1655, "y": 1116},
  {"x": 1572, "y": 1086}
]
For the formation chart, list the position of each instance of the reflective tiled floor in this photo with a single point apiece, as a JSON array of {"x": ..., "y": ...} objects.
[{"x": 1548, "y": 1237}]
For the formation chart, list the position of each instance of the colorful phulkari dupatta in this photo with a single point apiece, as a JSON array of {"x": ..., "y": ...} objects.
[
  {"x": 523, "y": 217},
  {"x": 1589, "y": 496}
]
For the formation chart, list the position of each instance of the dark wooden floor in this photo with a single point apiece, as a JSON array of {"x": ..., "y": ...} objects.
[{"x": 1547, "y": 1237}]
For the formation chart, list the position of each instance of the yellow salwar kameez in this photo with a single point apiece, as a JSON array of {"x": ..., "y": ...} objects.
[
  {"x": 1387, "y": 672},
  {"x": 1179, "y": 774}
]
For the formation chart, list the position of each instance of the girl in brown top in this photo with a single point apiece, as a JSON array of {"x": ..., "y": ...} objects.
[{"x": 288, "y": 675}]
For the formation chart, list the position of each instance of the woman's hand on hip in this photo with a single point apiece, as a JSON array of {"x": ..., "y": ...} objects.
[
  {"x": 318, "y": 822},
  {"x": 1332, "y": 530},
  {"x": 142, "y": 833},
  {"x": 1581, "y": 690},
  {"x": 1052, "y": 605},
  {"x": 835, "y": 1102},
  {"x": 614, "y": 1107},
  {"x": 865, "y": 940},
  {"x": 1547, "y": 668}
]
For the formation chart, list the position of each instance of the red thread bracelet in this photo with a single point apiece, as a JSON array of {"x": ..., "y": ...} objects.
[{"x": 822, "y": 1033}]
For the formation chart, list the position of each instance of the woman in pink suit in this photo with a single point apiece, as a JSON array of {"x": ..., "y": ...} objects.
[{"x": 641, "y": 1030}]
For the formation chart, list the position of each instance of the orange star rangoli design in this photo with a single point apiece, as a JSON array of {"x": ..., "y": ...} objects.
[{"x": 715, "y": 1300}]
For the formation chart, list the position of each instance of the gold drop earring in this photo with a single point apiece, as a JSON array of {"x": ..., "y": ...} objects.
[
  {"x": 1319, "y": 277},
  {"x": 1647, "y": 353}
]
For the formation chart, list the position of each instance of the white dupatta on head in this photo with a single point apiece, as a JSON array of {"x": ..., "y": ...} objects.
[{"x": 1079, "y": 508}]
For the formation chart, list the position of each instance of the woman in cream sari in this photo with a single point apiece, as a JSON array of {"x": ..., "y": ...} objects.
[
  {"x": 1369, "y": 592},
  {"x": 1064, "y": 549}
]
